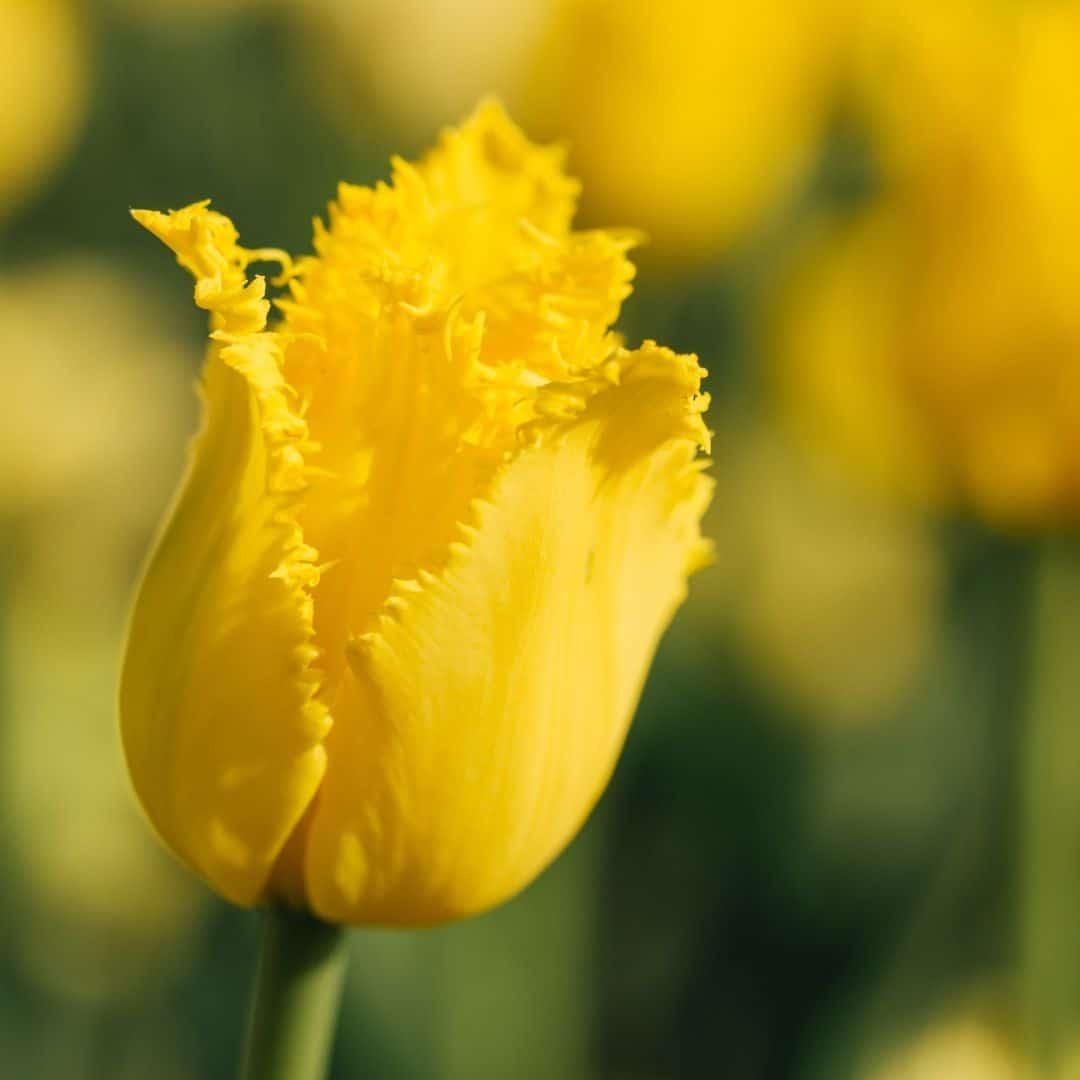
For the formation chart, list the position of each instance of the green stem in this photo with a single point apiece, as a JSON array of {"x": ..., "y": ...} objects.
[
  {"x": 1050, "y": 853},
  {"x": 297, "y": 997}
]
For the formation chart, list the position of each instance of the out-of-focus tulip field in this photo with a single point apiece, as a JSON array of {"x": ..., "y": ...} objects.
[{"x": 843, "y": 840}]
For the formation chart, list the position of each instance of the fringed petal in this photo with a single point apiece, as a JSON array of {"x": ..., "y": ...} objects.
[
  {"x": 483, "y": 713},
  {"x": 220, "y": 721}
]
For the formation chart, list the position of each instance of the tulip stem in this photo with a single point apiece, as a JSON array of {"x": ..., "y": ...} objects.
[
  {"x": 297, "y": 997},
  {"x": 1050, "y": 868}
]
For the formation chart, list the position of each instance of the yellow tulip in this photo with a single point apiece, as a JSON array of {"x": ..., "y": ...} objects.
[{"x": 386, "y": 652}]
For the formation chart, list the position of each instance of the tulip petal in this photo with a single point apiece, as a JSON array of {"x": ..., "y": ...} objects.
[
  {"x": 481, "y": 719},
  {"x": 219, "y": 719}
]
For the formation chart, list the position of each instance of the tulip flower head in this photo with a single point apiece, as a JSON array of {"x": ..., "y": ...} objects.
[{"x": 386, "y": 652}]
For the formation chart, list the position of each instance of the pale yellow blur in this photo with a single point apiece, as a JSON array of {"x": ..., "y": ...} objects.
[
  {"x": 965, "y": 1047},
  {"x": 94, "y": 437},
  {"x": 415, "y": 65},
  {"x": 968, "y": 1042},
  {"x": 86, "y": 418},
  {"x": 810, "y": 573},
  {"x": 44, "y": 84}
]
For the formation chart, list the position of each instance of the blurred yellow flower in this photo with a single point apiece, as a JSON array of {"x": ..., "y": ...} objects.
[
  {"x": 933, "y": 340},
  {"x": 43, "y": 91},
  {"x": 922, "y": 71},
  {"x": 811, "y": 572},
  {"x": 416, "y": 64},
  {"x": 668, "y": 116},
  {"x": 689, "y": 119},
  {"x": 79, "y": 427},
  {"x": 963, "y": 1046},
  {"x": 385, "y": 655}
]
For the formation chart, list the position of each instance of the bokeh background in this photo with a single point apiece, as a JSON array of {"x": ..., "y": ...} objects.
[{"x": 844, "y": 840}]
